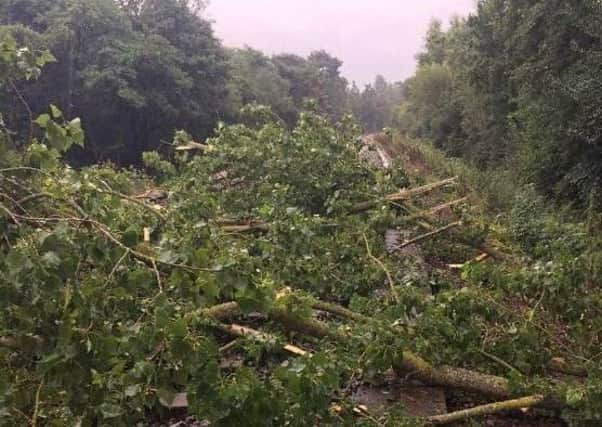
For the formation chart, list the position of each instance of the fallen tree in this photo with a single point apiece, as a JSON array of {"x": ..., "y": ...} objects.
[{"x": 409, "y": 364}]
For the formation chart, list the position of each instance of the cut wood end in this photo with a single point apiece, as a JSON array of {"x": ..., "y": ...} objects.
[
  {"x": 297, "y": 351},
  {"x": 481, "y": 257},
  {"x": 337, "y": 409},
  {"x": 478, "y": 259}
]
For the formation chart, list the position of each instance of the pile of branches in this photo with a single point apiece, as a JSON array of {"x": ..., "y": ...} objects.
[{"x": 117, "y": 309}]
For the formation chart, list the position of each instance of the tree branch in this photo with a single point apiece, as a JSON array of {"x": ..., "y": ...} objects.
[
  {"x": 27, "y": 107},
  {"x": 382, "y": 265},
  {"x": 404, "y": 195},
  {"x": 492, "y": 408},
  {"x": 430, "y": 234}
]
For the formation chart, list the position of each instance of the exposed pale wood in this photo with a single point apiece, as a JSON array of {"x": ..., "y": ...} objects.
[
  {"x": 492, "y": 408},
  {"x": 245, "y": 332},
  {"x": 409, "y": 362},
  {"x": 477, "y": 259},
  {"x": 191, "y": 146},
  {"x": 147, "y": 234},
  {"x": 228, "y": 346},
  {"x": 481, "y": 257}
]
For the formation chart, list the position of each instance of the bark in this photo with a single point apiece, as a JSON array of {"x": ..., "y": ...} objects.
[
  {"x": 22, "y": 343},
  {"x": 310, "y": 327},
  {"x": 558, "y": 364},
  {"x": 409, "y": 364},
  {"x": 340, "y": 311},
  {"x": 222, "y": 311},
  {"x": 493, "y": 408},
  {"x": 476, "y": 382},
  {"x": 412, "y": 364},
  {"x": 244, "y": 228}
]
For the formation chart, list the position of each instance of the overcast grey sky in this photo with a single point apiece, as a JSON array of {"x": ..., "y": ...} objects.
[{"x": 370, "y": 36}]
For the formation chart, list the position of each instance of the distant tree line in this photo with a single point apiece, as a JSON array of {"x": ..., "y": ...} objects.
[
  {"x": 516, "y": 85},
  {"x": 136, "y": 70}
]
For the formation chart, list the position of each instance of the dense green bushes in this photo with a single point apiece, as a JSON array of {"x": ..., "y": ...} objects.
[{"x": 515, "y": 85}]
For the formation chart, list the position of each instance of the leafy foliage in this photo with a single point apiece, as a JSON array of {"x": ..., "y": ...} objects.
[
  {"x": 104, "y": 295},
  {"x": 516, "y": 86},
  {"x": 106, "y": 326}
]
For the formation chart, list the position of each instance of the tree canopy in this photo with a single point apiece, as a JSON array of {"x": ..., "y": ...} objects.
[{"x": 516, "y": 83}]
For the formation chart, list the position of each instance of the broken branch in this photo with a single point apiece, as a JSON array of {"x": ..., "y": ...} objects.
[
  {"x": 244, "y": 228},
  {"x": 492, "y": 408},
  {"x": 382, "y": 265},
  {"x": 340, "y": 311},
  {"x": 404, "y": 195},
  {"x": 245, "y": 332},
  {"x": 136, "y": 202},
  {"x": 433, "y": 211},
  {"x": 430, "y": 234}
]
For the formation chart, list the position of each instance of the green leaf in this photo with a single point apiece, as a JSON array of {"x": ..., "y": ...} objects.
[
  {"x": 56, "y": 136},
  {"x": 42, "y": 120},
  {"x": 178, "y": 329},
  {"x": 16, "y": 262},
  {"x": 208, "y": 285},
  {"x": 76, "y": 132},
  {"x": 56, "y": 112},
  {"x": 130, "y": 237},
  {"x": 201, "y": 257},
  {"x": 45, "y": 58},
  {"x": 139, "y": 278}
]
